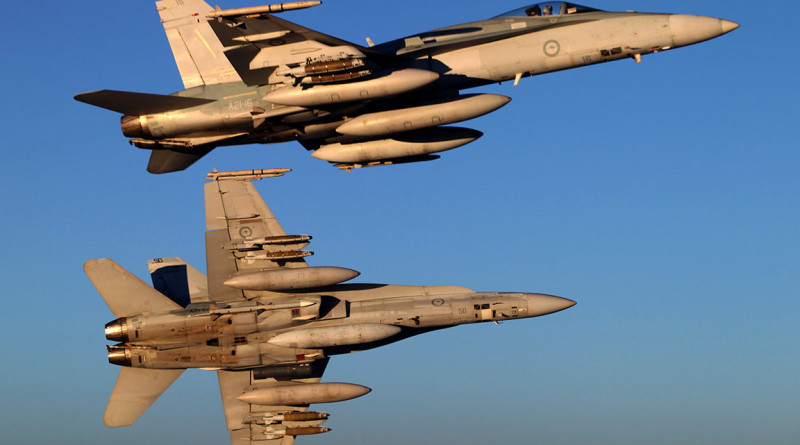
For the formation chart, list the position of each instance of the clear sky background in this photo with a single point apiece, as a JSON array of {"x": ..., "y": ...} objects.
[{"x": 664, "y": 197}]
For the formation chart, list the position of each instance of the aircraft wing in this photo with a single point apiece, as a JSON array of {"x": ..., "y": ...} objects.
[
  {"x": 262, "y": 424},
  {"x": 258, "y": 45},
  {"x": 243, "y": 234}
]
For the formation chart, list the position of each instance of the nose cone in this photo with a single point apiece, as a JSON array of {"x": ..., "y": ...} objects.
[
  {"x": 689, "y": 29},
  {"x": 541, "y": 304},
  {"x": 728, "y": 26}
]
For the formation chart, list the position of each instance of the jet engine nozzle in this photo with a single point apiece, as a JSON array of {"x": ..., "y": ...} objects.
[
  {"x": 117, "y": 330},
  {"x": 119, "y": 356},
  {"x": 132, "y": 127}
]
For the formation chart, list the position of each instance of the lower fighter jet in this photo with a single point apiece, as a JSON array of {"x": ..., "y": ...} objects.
[{"x": 266, "y": 321}]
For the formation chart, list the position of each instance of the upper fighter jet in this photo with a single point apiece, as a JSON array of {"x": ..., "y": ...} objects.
[
  {"x": 252, "y": 77},
  {"x": 265, "y": 320}
]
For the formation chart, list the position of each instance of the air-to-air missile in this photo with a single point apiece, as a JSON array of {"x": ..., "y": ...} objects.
[
  {"x": 291, "y": 417},
  {"x": 220, "y": 14},
  {"x": 251, "y": 77},
  {"x": 277, "y": 432}
]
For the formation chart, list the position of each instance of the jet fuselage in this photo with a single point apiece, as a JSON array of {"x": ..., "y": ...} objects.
[
  {"x": 517, "y": 46},
  {"x": 358, "y": 106},
  {"x": 338, "y": 320}
]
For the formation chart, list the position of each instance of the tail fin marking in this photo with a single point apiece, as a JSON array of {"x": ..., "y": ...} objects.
[{"x": 178, "y": 280}]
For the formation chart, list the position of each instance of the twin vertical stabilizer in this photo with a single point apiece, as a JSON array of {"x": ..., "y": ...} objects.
[
  {"x": 123, "y": 292},
  {"x": 126, "y": 295}
]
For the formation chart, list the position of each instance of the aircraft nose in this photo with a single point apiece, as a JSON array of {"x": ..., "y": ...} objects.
[
  {"x": 728, "y": 26},
  {"x": 541, "y": 304},
  {"x": 689, "y": 29}
]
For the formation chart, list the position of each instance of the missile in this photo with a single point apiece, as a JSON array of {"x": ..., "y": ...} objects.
[
  {"x": 274, "y": 256},
  {"x": 334, "y": 77},
  {"x": 219, "y": 14},
  {"x": 247, "y": 174},
  {"x": 397, "y": 82},
  {"x": 353, "y": 334},
  {"x": 285, "y": 279},
  {"x": 277, "y": 433},
  {"x": 304, "y": 394},
  {"x": 305, "y": 430},
  {"x": 414, "y": 118},
  {"x": 304, "y": 417},
  {"x": 295, "y": 416},
  {"x": 424, "y": 142},
  {"x": 286, "y": 372},
  {"x": 329, "y": 66},
  {"x": 243, "y": 244}
]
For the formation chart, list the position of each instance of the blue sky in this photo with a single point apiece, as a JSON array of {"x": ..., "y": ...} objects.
[{"x": 663, "y": 197}]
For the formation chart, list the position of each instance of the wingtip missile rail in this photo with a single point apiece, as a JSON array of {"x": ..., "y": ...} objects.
[
  {"x": 254, "y": 11},
  {"x": 247, "y": 175}
]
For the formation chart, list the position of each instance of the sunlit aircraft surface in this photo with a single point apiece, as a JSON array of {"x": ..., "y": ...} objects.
[
  {"x": 251, "y": 77},
  {"x": 266, "y": 321}
]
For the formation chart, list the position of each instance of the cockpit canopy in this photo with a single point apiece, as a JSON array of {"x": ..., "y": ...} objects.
[{"x": 548, "y": 9}]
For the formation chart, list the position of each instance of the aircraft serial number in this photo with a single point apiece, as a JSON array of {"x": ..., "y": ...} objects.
[{"x": 235, "y": 105}]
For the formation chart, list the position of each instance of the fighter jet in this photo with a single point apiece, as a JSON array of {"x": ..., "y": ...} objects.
[
  {"x": 266, "y": 321},
  {"x": 251, "y": 77}
]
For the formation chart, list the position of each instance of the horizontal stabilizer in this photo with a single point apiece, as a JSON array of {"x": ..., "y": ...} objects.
[
  {"x": 123, "y": 292},
  {"x": 135, "y": 391},
  {"x": 137, "y": 104},
  {"x": 167, "y": 161}
]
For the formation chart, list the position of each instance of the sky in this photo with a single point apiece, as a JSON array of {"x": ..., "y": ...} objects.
[{"x": 663, "y": 197}]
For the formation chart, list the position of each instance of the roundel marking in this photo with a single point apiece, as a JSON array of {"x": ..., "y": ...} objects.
[
  {"x": 245, "y": 231},
  {"x": 551, "y": 48},
  {"x": 437, "y": 301}
]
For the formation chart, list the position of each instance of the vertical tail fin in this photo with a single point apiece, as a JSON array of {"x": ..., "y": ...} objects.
[
  {"x": 178, "y": 280},
  {"x": 124, "y": 293},
  {"x": 135, "y": 391},
  {"x": 198, "y": 52}
]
